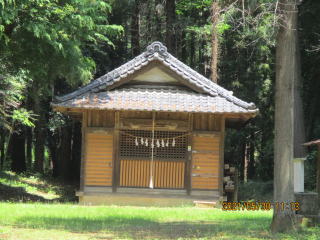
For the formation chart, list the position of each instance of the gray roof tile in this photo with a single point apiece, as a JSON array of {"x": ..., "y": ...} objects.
[
  {"x": 217, "y": 98},
  {"x": 154, "y": 99}
]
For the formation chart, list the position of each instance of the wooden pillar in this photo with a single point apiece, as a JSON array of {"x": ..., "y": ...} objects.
[
  {"x": 189, "y": 154},
  {"x": 221, "y": 157},
  {"x": 83, "y": 150},
  {"x": 318, "y": 174},
  {"x": 116, "y": 162}
]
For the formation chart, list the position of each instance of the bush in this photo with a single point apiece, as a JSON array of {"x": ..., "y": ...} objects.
[
  {"x": 310, "y": 170},
  {"x": 255, "y": 191}
]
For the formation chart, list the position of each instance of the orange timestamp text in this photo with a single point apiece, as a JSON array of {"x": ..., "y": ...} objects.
[
  {"x": 250, "y": 206},
  {"x": 263, "y": 206}
]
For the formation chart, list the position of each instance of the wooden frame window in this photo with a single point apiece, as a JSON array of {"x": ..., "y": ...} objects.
[{"x": 129, "y": 149}]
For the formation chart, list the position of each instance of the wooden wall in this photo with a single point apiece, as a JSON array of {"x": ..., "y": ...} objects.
[
  {"x": 99, "y": 159},
  {"x": 100, "y": 118},
  {"x": 205, "y": 169},
  {"x": 205, "y": 165},
  {"x": 206, "y": 122},
  {"x": 166, "y": 174},
  {"x": 201, "y": 121}
]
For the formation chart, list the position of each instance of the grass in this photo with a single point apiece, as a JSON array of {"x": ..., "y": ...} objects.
[
  {"x": 33, "y": 187},
  {"x": 67, "y": 221},
  {"x": 39, "y": 207}
]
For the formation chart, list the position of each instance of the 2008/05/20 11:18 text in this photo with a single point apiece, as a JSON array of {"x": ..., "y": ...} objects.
[{"x": 252, "y": 206}]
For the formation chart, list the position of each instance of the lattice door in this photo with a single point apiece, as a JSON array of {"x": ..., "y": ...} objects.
[
  {"x": 129, "y": 148},
  {"x": 169, "y": 161}
]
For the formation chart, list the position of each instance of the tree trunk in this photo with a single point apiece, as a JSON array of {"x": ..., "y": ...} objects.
[
  {"x": 178, "y": 44},
  {"x": 251, "y": 168},
  {"x": 200, "y": 62},
  {"x": 76, "y": 150},
  {"x": 54, "y": 146},
  {"x": 283, "y": 219},
  {"x": 214, "y": 62},
  {"x": 243, "y": 159},
  {"x": 66, "y": 151},
  {"x": 38, "y": 135},
  {"x": 158, "y": 16},
  {"x": 170, "y": 43},
  {"x": 315, "y": 104},
  {"x": 183, "y": 47},
  {"x": 135, "y": 29},
  {"x": 2, "y": 140},
  {"x": 29, "y": 146},
  {"x": 148, "y": 24},
  {"x": 299, "y": 130},
  {"x": 18, "y": 155},
  {"x": 192, "y": 50}
]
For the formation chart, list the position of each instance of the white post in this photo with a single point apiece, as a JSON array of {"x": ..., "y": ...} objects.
[{"x": 299, "y": 174}]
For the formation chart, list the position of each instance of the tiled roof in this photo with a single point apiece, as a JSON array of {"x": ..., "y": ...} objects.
[
  {"x": 155, "y": 52},
  {"x": 154, "y": 99}
]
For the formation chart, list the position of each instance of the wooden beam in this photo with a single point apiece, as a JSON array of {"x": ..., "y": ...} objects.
[
  {"x": 160, "y": 124},
  {"x": 221, "y": 156},
  {"x": 100, "y": 130},
  {"x": 189, "y": 149},
  {"x": 206, "y": 134},
  {"x": 78, "y": 110},
  {"x": 116, "y": 162},
  {"x": 83, "y": 151}
]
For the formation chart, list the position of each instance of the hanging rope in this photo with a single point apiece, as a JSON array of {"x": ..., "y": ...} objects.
[
  {"x": 149, "y": 139},
  {"x": 152, "y": 146}
]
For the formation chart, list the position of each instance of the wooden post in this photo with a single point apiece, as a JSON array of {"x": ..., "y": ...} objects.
[
  {"x": 116, "y": 162},
  {"x": 221, "y": 157},
  {"x": 318, "y": 174},
  {"x": 83, "y": 150},
  {"x": 189, "y": 155}
]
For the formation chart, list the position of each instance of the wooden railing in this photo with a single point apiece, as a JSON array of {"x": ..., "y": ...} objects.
[{"x": 166, "y": 174}]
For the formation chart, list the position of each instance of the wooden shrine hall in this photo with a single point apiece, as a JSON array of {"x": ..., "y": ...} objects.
[{"x": 153, "y": 132}]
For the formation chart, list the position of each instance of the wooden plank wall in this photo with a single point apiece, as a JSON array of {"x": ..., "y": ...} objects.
[
  {"x": 100, "y": 118},
  {"x": 201, "y": 121},
  {"x": 205, "y": 169},
  {"x": 136, "y": 173},
  {"x": 206, "y": 122},
  {"x": 159, "y": 115},
  {"x": 99, "y": 159}
]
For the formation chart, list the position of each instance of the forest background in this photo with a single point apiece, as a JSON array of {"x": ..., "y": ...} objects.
[{"x": 50, "y": 48}]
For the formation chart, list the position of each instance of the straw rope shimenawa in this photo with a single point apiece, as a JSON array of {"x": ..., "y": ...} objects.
[{"x": 151, "y": 138}]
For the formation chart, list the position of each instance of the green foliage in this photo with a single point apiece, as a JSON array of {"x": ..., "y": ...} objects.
[
  {"x": 255, "y": 191},
  {"x": 11, "y": 95},
  {"x": 23, "y": 116},
  {"x": 310, "y": 170},
  {"x": 42, "y": 40},
  {"x": 47, "y": 36}
]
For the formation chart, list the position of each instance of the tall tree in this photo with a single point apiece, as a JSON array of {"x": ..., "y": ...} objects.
[
  {"x": 299, "y": 127},
  {"x": 159, "y": 10},
  {"x": 66, "y": 150},
  {"x": 45, "y": 52},
  {"x": 135, "y": 29},
  {"x": 18, "y": 157},
  {"x": 214, "y": 61},
  {"x": 170, "y": 37},
  {"x": 283, "y": 219},
  {"x": 38, "y": 131}
]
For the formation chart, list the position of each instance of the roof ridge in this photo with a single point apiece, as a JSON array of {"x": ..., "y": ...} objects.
[{"x": 157, "y": 51}]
